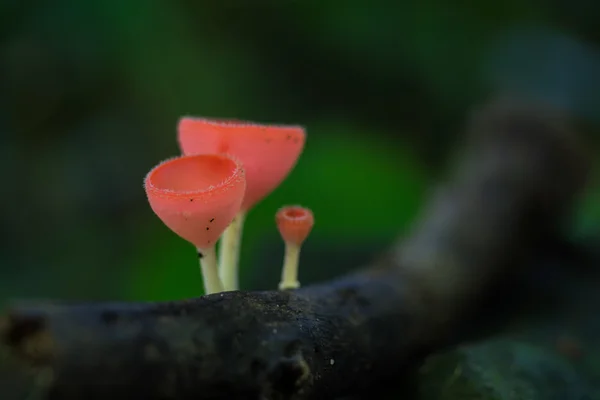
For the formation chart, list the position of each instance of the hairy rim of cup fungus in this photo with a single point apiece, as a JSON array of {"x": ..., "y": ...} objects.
[{"x": 197, "y": 196}]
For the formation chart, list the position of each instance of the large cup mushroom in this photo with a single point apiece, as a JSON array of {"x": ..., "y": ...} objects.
[
  {"x": 197, "y": 197},
  {"x": 267, "y": 152}
]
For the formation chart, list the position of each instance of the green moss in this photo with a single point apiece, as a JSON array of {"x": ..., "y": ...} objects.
[{"x": 445, "y": 377}]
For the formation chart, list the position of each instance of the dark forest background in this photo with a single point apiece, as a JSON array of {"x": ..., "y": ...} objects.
[{"x": 91, "y": 91}]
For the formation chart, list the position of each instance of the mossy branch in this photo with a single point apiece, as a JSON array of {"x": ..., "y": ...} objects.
[{"x": 517, "y": 180}]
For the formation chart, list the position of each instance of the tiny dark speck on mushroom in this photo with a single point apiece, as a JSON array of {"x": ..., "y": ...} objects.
[
  {"x": 211, "y": 220},
  {"x": 289, "y": 137},
  {"x": 191, "y": 199},
  {"x": 207, "y": 228}
]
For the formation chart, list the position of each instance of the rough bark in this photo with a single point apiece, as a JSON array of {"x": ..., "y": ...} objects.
[{"x": 517, "y": 179}]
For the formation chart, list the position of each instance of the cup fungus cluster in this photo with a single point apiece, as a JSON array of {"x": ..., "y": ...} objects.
[{"x": 225, "y": 169}]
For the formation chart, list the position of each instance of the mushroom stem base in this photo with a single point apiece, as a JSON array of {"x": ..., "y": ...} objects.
[
  {"x": 289, "y": 273},
  {"x": 229, "y": 252},
  {"x": 208, "y": 267}
]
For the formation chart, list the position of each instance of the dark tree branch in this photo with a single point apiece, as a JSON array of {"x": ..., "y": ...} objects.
[{"x": 517, "y": 181}]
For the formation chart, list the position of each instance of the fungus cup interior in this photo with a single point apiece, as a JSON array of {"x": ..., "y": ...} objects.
[
  {"x": 294, "y": 223},
  {"x": 267, "y": 152},
  {"x": 197, "y": 196}
]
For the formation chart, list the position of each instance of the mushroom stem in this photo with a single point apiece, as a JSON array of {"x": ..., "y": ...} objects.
[
  {"x": 208, "y": 267},
  {"x": 289, "y": 274},
  {"x": 229, "y": 252}
]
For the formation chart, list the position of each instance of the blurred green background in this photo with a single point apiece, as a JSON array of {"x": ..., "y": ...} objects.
[{"x": 91, "y": 92}]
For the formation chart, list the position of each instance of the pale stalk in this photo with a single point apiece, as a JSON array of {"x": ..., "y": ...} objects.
[
  {"x": 229, "y": 252},
  {"x": 208, "y": 267},
  {"x": 289, "y": 274}
]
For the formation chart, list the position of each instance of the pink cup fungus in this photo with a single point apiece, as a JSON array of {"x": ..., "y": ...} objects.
[
  {"x": 268, "y": 153},
  {"x": 197, "y": 197},
  {"x": 294, "y": 224}
]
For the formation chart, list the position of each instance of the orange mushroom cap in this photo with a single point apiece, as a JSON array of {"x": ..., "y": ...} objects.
[
  {"x": 294, "y": 223},
  {"x": 267, "y": 152},
  {"x": 197, "y": 196}
]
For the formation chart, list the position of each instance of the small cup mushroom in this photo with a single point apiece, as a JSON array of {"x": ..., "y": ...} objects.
[
  {"x": 197, "y": 197},
  {"x": 267, "y": 152},
  {"x": 294, "y": 224}
]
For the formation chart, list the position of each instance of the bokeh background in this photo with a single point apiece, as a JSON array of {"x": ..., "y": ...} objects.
[{"x": 91, "y": 91}]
